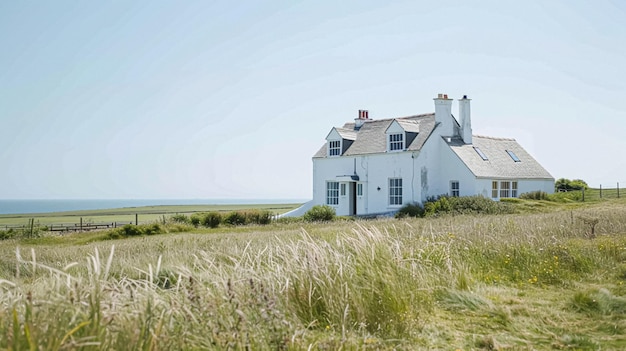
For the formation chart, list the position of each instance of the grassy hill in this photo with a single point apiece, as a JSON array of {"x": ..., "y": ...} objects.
[{"x": 532, "y": 280}]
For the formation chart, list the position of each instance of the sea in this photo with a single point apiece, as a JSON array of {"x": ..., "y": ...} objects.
[{"x": 60, "y": 205}]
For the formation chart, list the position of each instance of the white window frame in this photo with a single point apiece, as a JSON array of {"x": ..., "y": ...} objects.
[
  {"x": 343, "y": 189},
  {"x": 455, "y": 188},
  {"x": 396, "y": 142},
  {"x": 334, "y": 148},
  {"x": 504, "y": 189},
  {"x": 359, "y": 189},
  {"x": 332, "y": 193},
  {"x": 395, "y": 191}
]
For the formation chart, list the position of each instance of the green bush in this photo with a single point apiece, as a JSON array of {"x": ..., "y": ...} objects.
[
  {"x": 195, "y": 219},
  {"x": 8, "y": 234},
  {"x": 410, "y": 210},
  {"x": 534, "y": 195},
  {"x": 137, "y": 230},
  {"x": 235, "y": 218},
  {"x": 180, "y": 218},
  {"x": 258, "y": 217},
  {"x": 211, "y": 219},
  {"x": 564, "y": 184},
  {"x": 320, "y": 213},
  {"x": 465, "y": 205}
]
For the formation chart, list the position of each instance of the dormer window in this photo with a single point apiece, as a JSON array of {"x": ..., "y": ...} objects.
[
  {"x": 396, "y": 142},
  {"x": 400, "y": 134},
  {"x": 334, "y": 148}
]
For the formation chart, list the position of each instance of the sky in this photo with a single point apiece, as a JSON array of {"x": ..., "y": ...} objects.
[{"x": 231, "y": 99}]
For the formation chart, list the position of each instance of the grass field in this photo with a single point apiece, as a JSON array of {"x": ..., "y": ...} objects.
[
  {"x": 145, "y": 214},
  {"x": 529, "y": 281}
]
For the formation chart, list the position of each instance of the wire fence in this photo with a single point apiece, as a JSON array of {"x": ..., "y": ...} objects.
[{"x": 595, "y": 194}]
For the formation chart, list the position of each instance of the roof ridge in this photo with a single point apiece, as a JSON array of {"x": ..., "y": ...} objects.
[{"x": 492, "y": 138}]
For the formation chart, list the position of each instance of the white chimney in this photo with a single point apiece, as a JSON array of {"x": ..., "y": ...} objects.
[
  {"x": 443, "y": 114},
  {"x": 363, "y": 116},
  {"x": 466, "y": 120}
]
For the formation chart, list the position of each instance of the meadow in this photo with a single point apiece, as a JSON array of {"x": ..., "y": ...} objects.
[
  {"x": 145, "y": 214},
  {"x": 534, "y": 280}
]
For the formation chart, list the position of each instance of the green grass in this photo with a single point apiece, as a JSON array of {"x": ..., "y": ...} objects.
[
  {"x": 127, "y": 215},
  {"x": 470, "y": 282}
]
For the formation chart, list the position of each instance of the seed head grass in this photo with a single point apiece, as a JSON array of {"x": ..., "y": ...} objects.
[{"x": 519, "y": 281}]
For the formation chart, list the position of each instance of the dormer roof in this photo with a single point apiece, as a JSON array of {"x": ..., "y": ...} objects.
[
  {"x": 371, "y": 137},
  {"x": 341, "y": 133}
]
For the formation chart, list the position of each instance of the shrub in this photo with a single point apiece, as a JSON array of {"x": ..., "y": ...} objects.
[
  {"x": 235, "y": 218},
  {"x": 180, "y": 218},
  {"x": 320, "y": 213},
  {"x": 564, "y": 184},
  {"x": 211, "y": 219},
  {"x": 410, "y": 210},
  {"x": 534, "y": 195},
  {"x": 258, "y": 217},
  {"x": 465, "y": 205},
  {"x": 195, "y": 219},
  {"x": 8, "y": 234},
  {"x": 137, "y": 230}
]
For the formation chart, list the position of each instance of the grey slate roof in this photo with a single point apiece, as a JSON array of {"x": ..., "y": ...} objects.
[
  {"x": 349, "y": 134},
  {"x": 371, "y": 139},
  {"x": 409, "y": 125},
  {"x": 499, "y": 164}
]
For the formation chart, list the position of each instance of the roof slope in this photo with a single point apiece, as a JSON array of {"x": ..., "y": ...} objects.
[
  {"x": 498, "y": 164},
  {"x": 371, "y": 138}
]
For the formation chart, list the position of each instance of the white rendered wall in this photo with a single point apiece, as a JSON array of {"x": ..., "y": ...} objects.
[{"x": 453, "y": 169}]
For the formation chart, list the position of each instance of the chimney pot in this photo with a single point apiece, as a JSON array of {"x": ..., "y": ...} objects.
[
  {"x": 464, "y": 97},
  {"x": 439, "y": 96},
  {"x": 445, "y": 96}
]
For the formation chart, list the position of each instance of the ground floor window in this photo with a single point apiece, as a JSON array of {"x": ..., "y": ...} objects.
[
  {"x": 359, "y": 189},
  {"x": 332, "y": 193},
  {"x": 395, "y": 191},
  {"x": 343, "y": 189},
  {"x": 504, "y": 188},
  {"x": 454, "y": 188}
]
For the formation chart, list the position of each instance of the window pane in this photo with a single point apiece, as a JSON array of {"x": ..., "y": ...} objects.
[
  {"x": 334, "y": 148},
  {"x": 332, "y": 193},
  {"x": 513, "y": 156},
  {"x": 395, "y": 191},
  {"x": 396, "y": 142},
  {"x": 481, "y": 154},
  {"x": 454, "y": 188}
]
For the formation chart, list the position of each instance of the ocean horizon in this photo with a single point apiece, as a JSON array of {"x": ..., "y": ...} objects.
[{"x": 18, "y": 206}]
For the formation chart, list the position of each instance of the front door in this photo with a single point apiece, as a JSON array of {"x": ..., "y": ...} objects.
[{"x": 352, "y": 198}]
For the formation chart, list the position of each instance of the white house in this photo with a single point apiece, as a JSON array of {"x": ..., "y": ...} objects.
[{"x": 375, "y": 166}]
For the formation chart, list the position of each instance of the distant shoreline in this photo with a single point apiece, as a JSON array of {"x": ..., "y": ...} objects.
[{"x": 43, "y": 206}]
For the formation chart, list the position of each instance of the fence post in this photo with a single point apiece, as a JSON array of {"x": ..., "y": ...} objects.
[
  {"x": 600, "y": 190},
  {"x": 136, "y": 219},
  {"x": 618, "y": 190},
  {"x": 81, "y": 224}
]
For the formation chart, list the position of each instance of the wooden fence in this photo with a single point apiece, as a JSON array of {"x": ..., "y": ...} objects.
[{"x": 68, "y": 227}]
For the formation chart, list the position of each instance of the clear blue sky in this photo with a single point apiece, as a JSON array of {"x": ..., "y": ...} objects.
[{"x": 230, "y": 99}]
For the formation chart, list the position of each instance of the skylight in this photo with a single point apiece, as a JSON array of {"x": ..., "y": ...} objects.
[
  {"x": 481, "y": 154},
  {"x": 513, "y": 156}
]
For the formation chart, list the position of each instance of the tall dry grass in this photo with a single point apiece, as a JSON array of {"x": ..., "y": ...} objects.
[{"x": 358, "y": 285}]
